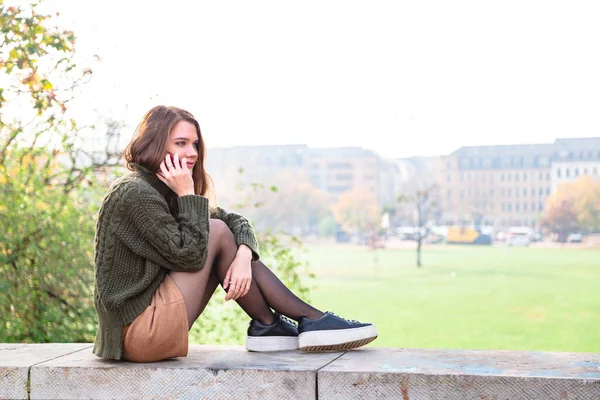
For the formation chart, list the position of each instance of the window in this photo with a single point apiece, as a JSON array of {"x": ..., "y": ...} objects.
[
  {"x": 548, "y": 176},
  {"x": 541, "y": 176},
  {"x": 524, "y": 176},
  {"x": 516, "y": 177},
  {"x": 502, "y": 177},
  {"x": 508, "y": 177},
  {"x": 508, "y": 192},
  {"x": 344, "y": 177},
  {"x": 448, "y": 178},
  {"x": 509, "y": 206},
  {"x": 448, "y": 193},
  {"x": 532, "y": 192},
  {"x": 585, "y": 171},
  {"x": 517, "y": 207},
  {"x": 541, "y": 207},
  {"x": 339, "y": 165},
  {"x": 576, "y": 171},
  {"x": 517, "y": 191},
  {"x": 559, "y": 173},
  {"x": 541, "y": 191},
  {"x": 567, "y": 172},
  {"x": 524, "y": 191},
  {"x": 547, "y": 191},
  {"x": 532, "y": 206},
  {"x": 524, "y": 206},
  {"x": 503, "y": 207},
  {"x": 595, "y": 171},
  {"x": 462, "y": 176}
]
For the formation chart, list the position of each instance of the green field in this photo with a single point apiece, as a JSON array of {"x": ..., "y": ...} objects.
[{"x": 465, "y": 297}]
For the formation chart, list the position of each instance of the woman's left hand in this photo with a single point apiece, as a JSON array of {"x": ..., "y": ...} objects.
[{"x": 239, "y": 275}]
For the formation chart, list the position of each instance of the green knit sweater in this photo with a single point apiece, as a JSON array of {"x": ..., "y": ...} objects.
[{"x": 144, "y": 231}]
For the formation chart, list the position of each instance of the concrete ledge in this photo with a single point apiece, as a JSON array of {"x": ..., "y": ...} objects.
[
  {"x": 71, "y": 371},
  {"x": 460, "y": 375},
  {"x": 17, "y": 359}
]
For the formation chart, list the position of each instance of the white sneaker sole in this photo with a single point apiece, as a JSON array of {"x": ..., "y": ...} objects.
[
  {"x": 271, "y": 343},
  {"x": 337, "y": 339}
]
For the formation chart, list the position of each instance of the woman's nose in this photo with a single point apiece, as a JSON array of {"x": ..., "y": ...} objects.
[{"x": 191, "y": 152}]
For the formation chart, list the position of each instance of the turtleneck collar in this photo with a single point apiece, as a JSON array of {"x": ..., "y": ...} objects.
[{"x": 151, "y": 178}]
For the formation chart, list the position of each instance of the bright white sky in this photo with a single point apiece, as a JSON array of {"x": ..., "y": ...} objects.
[{"x": 402, "y": 78}]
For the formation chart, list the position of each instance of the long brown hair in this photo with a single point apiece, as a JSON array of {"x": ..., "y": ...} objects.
[{"x": 148, "y": 147}]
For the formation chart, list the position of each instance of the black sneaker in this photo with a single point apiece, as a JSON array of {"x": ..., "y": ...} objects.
[
  {"x": 280, "y": 335},
  {"x": 331, "y": 332}
]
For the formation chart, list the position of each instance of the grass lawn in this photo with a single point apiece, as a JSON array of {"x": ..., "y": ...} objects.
[{"x": 465, "y": 297}]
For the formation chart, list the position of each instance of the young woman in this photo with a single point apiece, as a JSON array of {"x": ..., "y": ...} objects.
[{"x": 161, "y": 252}]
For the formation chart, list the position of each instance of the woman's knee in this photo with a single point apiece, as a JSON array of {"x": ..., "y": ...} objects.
[{"x": 220, "y": 231}]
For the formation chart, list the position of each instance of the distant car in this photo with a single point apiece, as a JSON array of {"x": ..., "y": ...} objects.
[
  {"x": 518, "y": 240},
  {"x": 519, "y": 236},
  {"x": 575, "y": 238}
]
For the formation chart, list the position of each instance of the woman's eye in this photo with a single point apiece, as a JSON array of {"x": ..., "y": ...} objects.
[{"x": 180, "y": 143}]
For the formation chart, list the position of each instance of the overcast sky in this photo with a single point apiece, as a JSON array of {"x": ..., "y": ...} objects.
[{"x": 400, "y": 77}]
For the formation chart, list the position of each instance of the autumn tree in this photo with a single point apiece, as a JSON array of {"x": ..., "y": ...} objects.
[
  {"x": 296, "y": 206},
  {"x": 48, "y": 190},
  {"x": 574, "y": 206},
  {"x": 357, "y": 211}
]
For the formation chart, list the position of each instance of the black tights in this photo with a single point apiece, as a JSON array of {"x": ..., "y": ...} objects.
[{"x": 266, "y": 291}]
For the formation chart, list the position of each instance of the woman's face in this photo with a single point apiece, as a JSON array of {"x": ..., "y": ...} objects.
[{"x": 183, "y": 141}]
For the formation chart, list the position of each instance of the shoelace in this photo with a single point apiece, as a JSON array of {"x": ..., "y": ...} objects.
[
  {"x": 352, "y": 321},
  {"x": 287, "y": 320}
]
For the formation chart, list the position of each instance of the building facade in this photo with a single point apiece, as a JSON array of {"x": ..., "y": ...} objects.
[{"x": 503, "y": 186}]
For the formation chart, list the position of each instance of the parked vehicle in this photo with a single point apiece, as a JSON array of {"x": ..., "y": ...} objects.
[
  {"x": 467, "y": 235},
  {"x": 519, "y": 236},
  {"x": 575, "y": 238}
]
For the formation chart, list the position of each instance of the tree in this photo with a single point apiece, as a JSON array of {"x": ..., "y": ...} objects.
[
  {"x": 296, "y": 206},
  {"x": 49, "y": 189},
  {"x": 587, "y": 202},
  {"x": 574, "y": 206},
  {"x": 419, "y": 207},
  {"x": 357, "y": 211}
]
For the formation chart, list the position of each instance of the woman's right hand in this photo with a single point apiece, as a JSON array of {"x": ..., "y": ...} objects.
[{"x": 176, "y": 177}]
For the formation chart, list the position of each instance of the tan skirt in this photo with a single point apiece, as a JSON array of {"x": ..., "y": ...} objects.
[{"x": 161, "y": 330}]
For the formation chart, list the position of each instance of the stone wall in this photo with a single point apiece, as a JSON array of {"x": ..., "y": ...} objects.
[{"x": 71, "y": 371}]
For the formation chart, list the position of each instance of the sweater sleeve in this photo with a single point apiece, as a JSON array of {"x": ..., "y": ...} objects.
[
  {"x": 241, "y": 228},
  {"x": 178, "y": 244}
]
